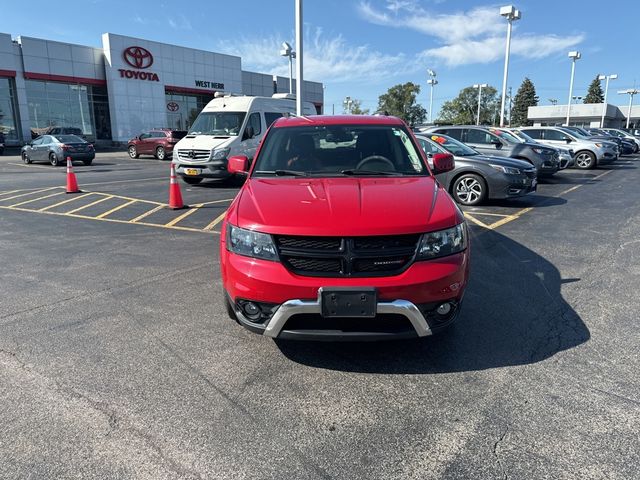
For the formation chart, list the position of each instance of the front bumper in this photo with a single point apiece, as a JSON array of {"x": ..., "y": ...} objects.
[
  {"x": 210, "y": 169},
  {"x": 293, "y": 305}
]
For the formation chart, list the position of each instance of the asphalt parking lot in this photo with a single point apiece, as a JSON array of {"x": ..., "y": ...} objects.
[{"x": 117, "y": 359}]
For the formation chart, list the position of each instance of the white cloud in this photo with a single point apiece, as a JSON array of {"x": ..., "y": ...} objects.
[
  {"x": 474, "y": 36},
  {"x": 329, "y": 58},
  {"x": 180, "y": 22}
]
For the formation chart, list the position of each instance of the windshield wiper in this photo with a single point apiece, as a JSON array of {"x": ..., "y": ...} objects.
[
  {"x": 367, "y": 172},
  {"x": 282, "y": 173}
]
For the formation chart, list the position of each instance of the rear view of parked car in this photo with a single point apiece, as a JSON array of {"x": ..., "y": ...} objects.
[
  {"x": 159, "y": 143},
  {"x": 489, "y": 141},
  {"x": 477, "y": 177},
  {"x": 588, "y": 153},
  {"x": 55, "y": 149}
]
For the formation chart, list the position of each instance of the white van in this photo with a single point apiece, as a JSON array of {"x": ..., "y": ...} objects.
[{"x": 229, "y": 125}]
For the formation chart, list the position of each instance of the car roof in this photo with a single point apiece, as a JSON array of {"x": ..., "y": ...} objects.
[{"x": 321, "y": 120}]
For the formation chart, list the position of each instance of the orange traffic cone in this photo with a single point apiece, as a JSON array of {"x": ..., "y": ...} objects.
[
  {"x": 72, "y": 183},
  {"x": 175, "y": 197}
]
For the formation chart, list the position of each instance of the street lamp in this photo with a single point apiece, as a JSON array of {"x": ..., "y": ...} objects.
[
  {"x": 510, "y": 13},
  {"x": 577, "y": 97},
  {"x": 613, "y": 76},
  {"x": 287, "y": 51},
  {"x": 347, "y": 102},
  {"x": 433, "y": 82},
  {"x": 553, "y": 101},
  {"x": 575, "y": 55},
  {"x": 479, "y": 86},
  {"x": 631, "y": 92}
]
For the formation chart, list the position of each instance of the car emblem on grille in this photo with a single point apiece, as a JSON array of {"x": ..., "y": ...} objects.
[{"x": 192, "y": 154}]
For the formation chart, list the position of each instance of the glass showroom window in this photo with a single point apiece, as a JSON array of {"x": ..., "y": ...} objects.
[
  {"x": 7, "y": 111},
  {"x": 53, "y": 104}
]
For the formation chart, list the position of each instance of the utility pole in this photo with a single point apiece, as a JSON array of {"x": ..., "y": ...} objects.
[{"x": 299, "y": 54}]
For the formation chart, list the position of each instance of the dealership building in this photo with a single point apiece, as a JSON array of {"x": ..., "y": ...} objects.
[
  {"x": 585, "y": 115},
  {"x": 113, "y": 93}
]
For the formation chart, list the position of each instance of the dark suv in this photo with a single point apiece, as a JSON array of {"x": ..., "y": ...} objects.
[
  {"x": 489, "y": 141},
  {"x": 158, "y": 142}
]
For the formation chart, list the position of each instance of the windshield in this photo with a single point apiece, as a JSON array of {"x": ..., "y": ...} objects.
[
  {"x": 575, "y": 133},
  {"x": 506, "y": 135},
  {"x": 524, "y": 137},
  {"x": 334, "y": 150},
  {"x": 453, "y": 146},
  {"x": 69, "y": 139},
  {"x": 226, "y": 124}
]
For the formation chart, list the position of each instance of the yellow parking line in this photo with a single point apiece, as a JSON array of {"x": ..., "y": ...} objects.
[
  {"x": 100, "y": 200},
  {"x": 63, "y": 202},
  {"x": 131, "y": 198},
  {"x": 113, "y": 210},
  {"x": 510, "y": 218},
  {"x": 218, "y": 219},
  {"x": 146, "y": 214},
  {"x": 28, "y": 193},
  {"x": 183, "y": 216},
  {"x": 491, "y": 214},
  {"x": 9, "y": 192},
  {"x": 217, "y": 201},
  {"x": 126, "y": 181},
  {"x": 475, "y": 220},
  {"x": 35, "y": 199}
]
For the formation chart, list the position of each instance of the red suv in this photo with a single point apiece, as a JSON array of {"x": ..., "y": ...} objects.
[
  {"x": 158, "y": 142},
  {"x": 341, "y": 231}
]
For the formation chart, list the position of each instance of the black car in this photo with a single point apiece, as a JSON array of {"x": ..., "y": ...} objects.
[
  {"x": 477, "y": 177},
  {"x": 55, "y": 149},
  {"x": 493, "y": 142}
]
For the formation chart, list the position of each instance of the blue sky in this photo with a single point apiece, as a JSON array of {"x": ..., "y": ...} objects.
[{"x": 362, "y": 47}]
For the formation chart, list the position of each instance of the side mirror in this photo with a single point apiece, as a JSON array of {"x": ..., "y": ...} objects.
[
  {"x": 497, "y": 143},
  {"x": 248, "y": 133},
  {"x": 568, "y": 140},
  {"x": 238, "y": 164},
  {"x": 443, "y": 162}
]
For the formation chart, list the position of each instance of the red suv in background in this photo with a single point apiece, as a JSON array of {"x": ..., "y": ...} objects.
[
  {"x": 158, "y": 142},
  {"x": 341, "y": 231}
]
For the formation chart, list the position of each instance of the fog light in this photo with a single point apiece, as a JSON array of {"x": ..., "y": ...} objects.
[
  {"x": 251, "y": 310},
  {"x": 444, "y": 309}
]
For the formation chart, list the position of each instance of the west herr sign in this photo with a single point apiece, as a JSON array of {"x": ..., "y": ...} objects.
[
  {"x": 206, "y": 84},
  {"x": 140, "y": 58}
]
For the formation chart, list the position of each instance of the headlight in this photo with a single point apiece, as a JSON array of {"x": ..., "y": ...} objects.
[
  {"x": 598, "y": 145},
  {"x": 540, "y": 151},
  {"x": 443, "y": 243},
  {"x": 509, "y": 170},
  {"x": 219, "y": 153},
  {"x": 250, "y": 243}
]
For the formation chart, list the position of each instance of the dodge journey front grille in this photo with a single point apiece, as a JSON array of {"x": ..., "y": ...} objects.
[{"x": 348, "y": 256}]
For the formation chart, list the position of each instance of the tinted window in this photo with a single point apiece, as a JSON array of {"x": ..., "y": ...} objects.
[
  {"x": 554, "y": 135},
  {"x": 451, "y": 132},
  {"x": 46, "y": 140},
  {"x": 254, "y": 122},
  {"x": 534, "y": 133},
  {"x": 428, "y": 147},
  {"x": 478, "y": 136},
  {"x": 270, "y": 117},
  {"x": 69, "y": 139},
  {"x": 144, "y": 136},
  {"x": 178, "y": 134},
  {"x": 37, "y": 141}
]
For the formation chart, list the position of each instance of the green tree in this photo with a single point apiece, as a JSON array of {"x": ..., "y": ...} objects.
[
  {"x": 464, "y": 108},
  {"x": 595, "y": 93},
  {"x": 400, "y": 101},
  {"x": 525, "y": 98},
  {"x": 356, "y": 108}
]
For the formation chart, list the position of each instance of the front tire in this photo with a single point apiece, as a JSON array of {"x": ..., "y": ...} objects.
[
  {"x": 160, "y": 153},
  {"x": 53, "y": 159},
  {"x": 585, "y": 160},
  {"x": 87, "y": 162},
  {"x": 469, "y": 189},
  {"x": 25, "y": 158},
  {"x": 192, "y": 180},
  {"x": 133, "y": 152}
]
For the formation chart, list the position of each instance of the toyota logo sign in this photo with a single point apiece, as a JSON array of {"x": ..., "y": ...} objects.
[
  {"x": 138, "y": 57},
  {"x": 173, "y": 106}
]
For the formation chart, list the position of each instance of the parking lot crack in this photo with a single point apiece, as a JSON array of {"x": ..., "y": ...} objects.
[{"x": 496, "y": 452}]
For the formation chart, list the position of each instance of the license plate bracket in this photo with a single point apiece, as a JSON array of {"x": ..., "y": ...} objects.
[
  {"x": 348, "y": 302},
  {"x": 192, "y": 171}
]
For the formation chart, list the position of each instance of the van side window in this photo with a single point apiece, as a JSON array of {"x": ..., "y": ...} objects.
[
  {"x": 270, "y": 117},
  {"x": 255, "y": 123}
]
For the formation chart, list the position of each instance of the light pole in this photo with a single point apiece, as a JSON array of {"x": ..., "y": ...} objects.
[
  {"x": 510, "y": 13},
  {"x": 432, "y": 82},
  {"x": 347, "y": 102},
  {"x": 575, "y": 55},
  {"x": 613, "y": 76},
  {"x": 479, "y": 86},
  {"x": 299, "y": 70},
  {"x": 631, "y": 92},
  {"x": 287, "y": 51}
]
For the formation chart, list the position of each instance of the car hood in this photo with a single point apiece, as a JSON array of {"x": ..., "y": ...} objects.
[
  {"x": 204, "y": 142},
  {"x": 344, "y": 206},
  {"x": 502, "y": 161}
]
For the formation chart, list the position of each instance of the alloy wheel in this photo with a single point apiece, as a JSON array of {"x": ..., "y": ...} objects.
[
  {"x": 469, "y": 190},
  {"x": 583, "y": 160}
]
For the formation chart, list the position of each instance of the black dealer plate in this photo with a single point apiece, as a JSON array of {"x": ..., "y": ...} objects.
[{"x": 348, "y": 302}]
